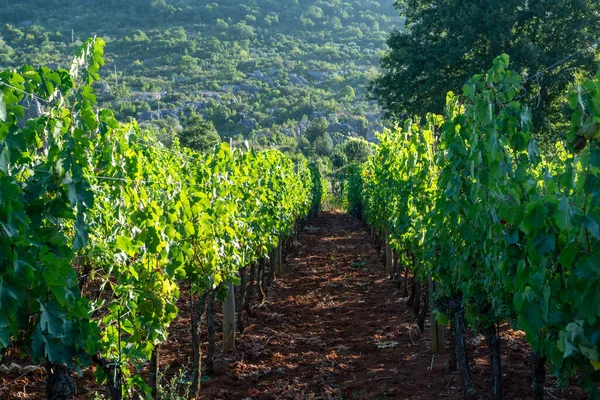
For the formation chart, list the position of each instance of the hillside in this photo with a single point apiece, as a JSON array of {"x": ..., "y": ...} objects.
[{"x": 257, "y": 70}]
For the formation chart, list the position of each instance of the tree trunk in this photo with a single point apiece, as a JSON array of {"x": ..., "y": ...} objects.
[
  {"x": 210, "y": 322},
  {"x": 278, "y": 266},
  {"x": 196, "y": 312},
  {"x": 452, "y": 360},
  {"x": 423, "y": 312},
  {"x": 438, "y": 339},
  {"x": 229, "y": 320},
  {"x": 269, "y": 274},
  {"x": 286, "y": 250},
  {"x": 59, "y": 383},
  {"x": 406, "y": 272},
  {"x": 261, "y": 279},
  {"x": 461, "y": 351},
  {"x": 493, "y": 342},
  {"x": 399, "y": 280},
  {"x": 417, "y": 297},
  {"x": 250, "y": 291},
  {"x": 415, "y": 283},
  {"x": 154, "y": 371},
  {"x": 411, "y": 299},
  {"x": 389, "y": 262},
  {"x": 240, "y": 307},
  {"x": 538, "y": 372},
  {"x": 397, "y": 269}
]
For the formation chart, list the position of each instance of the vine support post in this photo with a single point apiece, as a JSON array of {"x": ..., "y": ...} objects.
[
  {"x": 229, "y": 320},
  {"x": 277, "y": 258},
  {"x": 242, "y": 299},
  {"x": 538, "y": 372},
  {"x": 461, "y": 351},
  {"x": 493, "y": 340},
  {"x": 260, "y": 279},
  {"x": 438, "y": 340},
  {"x": 155, "y": 370},
  {"x": 196, "y": 311},
  {"x": 210, "y": 324},
  {"x": 59, "y": 384},
  {"x": 452, "y": 359},
  {"x": 389, "y": 262},
  {"x": 250, "y": 290}
]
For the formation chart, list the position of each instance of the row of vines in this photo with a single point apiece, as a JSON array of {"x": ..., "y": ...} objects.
[
  {"x": 505, "y": 234},
  {"x": 101, "y": 227}
]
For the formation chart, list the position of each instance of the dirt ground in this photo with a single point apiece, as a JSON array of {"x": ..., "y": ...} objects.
[{"x": 332, "y": 327}]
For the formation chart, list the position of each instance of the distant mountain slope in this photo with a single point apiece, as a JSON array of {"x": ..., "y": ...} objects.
[{"x": 257, "y": 68}]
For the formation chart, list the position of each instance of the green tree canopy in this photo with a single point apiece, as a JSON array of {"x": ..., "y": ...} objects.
[
  {"x": 357, "y": 150},
  {"x": 199, "y": 134},
  {"x": 317, "y": 129},
  {"x": 324, "y": 145},
  {"x": 338, "y": 158},
  {"x": 446, "y": 42}
]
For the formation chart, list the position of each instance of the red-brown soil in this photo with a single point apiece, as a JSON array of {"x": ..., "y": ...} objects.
[{"x": 333, "y": 327}]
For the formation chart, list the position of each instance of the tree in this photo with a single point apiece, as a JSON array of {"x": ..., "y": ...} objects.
[
  {"x": 199, "y": 134},
  {"x": 446, "y": 42},
  {"x": 338, "y": 158},
  {"x": 324, "y": 145},
  {"x": 348, "y": 93},
  {"x": 317, "y": 129},
  {"x": 357, "y": 150}
]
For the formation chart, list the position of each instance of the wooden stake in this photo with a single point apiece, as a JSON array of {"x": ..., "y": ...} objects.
[
  {"x": 438, "y": 340},
  {"x": 389, "y": 262},
  {"x": 229, "y": 320},
  {"x": 277, "y": 259}
]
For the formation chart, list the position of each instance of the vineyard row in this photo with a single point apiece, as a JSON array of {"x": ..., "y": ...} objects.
[{"x": 505, "y": 234}]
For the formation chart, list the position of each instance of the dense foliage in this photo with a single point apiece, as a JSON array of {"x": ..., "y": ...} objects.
[
  {"x": 447, "y": 42},
  {"x": 506, "y": 234},
  {"x": 257, "y": 70},
  {"x": 101, "y": 224}
]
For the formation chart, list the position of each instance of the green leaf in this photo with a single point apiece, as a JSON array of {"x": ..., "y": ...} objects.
[
  {"x": 189, "y": 229},
  {"x": 512, "y": 237},
  {"x": 562, "y": 216},
  {"x": 534, "y": 152},
  {"x": 569, "y": 254},
  {"x": 2, "y": 109},
  {"x": 43, "y": 346},
  {"x": 52, "y": 319},
  {"x": 483, "y": 111},
  {"x": 595, "y": 157},
  {"x": 535, "y": 216},
  {"x": 81, "y": 233},
  {"x": 12, "y": 294},
  {"x": 4, "y": 160},
  {"x": 592, "y": 226},
  {"x": 469, "y": 90},
  {"x": 126, "y": 245},
  {"x": 526, "y": 119},
  {"x": 4, "y": 332}
]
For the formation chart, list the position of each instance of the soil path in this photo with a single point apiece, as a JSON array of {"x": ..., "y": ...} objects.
[{"x": 334, "y": 327}]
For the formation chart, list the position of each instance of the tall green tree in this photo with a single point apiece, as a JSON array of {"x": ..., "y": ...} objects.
[
  {"x": 317, "y": 129},
  {"x": 445, "y": 42},
  {"x": 324, "y": 145},
  {"x": 199, "y": 134},
  {"x": 357, "y": 150}
]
